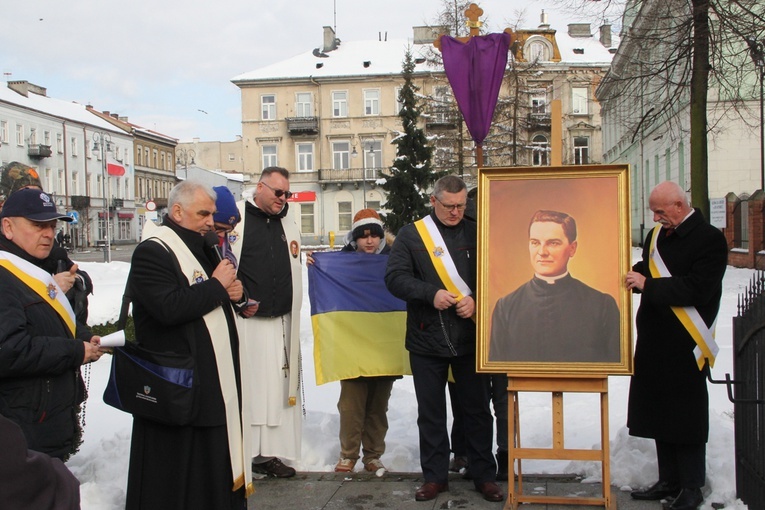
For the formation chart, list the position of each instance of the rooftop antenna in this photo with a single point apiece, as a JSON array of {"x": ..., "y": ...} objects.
[{"x": 334, "y": 9}]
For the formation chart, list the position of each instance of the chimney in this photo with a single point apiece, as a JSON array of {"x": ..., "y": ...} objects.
[
  {"x": 605, "y": 35},
  {"x": 579, "y": 30},
  {"x": 23, "y": 87},
  {"x": 330, "y": 41},
  {"x": 544, "y": 22},
  {"x": 115, "y": 116}
]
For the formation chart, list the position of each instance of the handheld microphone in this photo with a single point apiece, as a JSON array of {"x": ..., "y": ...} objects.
[{"x": 211, "y": 240}]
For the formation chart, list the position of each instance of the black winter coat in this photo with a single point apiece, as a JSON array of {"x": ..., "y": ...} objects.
[
  {"x": 40, "y": 382},
  {"x": 168, "y": 314},
  {"x": 410, "y": 276},
  {"x": 668, "y": 397}
]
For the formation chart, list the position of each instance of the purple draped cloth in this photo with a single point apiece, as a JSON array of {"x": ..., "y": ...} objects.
[{"x": 475, "y": 70}]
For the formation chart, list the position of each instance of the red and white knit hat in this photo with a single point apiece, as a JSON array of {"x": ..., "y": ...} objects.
[{"x": 366, "y": 222}]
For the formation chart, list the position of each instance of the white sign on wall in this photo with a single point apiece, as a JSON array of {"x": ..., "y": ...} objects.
[{"x": 717, "y": 212}]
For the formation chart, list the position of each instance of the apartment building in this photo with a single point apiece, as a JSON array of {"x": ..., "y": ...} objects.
[{"x": 330, "y": 114}]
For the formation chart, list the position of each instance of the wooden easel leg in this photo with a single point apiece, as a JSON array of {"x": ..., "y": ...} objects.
[{"x": 513, "y": 442}]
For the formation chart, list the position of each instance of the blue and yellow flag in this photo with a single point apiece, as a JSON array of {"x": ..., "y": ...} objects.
[{"x": 358, "y": 326}]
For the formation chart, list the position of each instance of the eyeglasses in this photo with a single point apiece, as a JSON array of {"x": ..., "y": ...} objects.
[
  {"x": 453, "y": 207},
  {"x": 278, "y": 192}
]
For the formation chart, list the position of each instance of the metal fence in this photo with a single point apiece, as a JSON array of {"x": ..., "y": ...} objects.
[{"x": 747, "y": 392}]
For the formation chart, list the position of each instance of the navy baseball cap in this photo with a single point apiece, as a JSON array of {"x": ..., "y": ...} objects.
[{"x": 32, "y": 204}]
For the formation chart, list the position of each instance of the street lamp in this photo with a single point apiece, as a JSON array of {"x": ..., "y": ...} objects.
[
  {"x": 757, "y": 51},
  {"x": 184, "y": 157},
  {"x": 371, "y": 161},
  {"x": 103, "y": 142}
]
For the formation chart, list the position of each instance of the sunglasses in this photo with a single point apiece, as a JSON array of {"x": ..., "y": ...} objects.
[{"x": 278, "y": 192}]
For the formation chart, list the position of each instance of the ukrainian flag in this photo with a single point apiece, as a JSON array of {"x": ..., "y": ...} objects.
[{"x": 358, "y": 326}]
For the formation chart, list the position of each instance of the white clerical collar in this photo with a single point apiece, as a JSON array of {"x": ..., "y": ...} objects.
[{"x": 551, "y": 279}]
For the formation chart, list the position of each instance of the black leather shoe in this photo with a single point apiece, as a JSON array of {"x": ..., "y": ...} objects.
[
  {"x": 490, "y": 491},
  {"x": 688, "y": 499},
  {"x": 430, "y": 490},
  {"x": 657, "y": 491},
  {"x": 274, "y": 468}
]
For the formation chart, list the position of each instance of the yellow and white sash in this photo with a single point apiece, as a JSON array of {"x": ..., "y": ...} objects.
[
  {"x": 42, "y": 284},
  {"x": 217, "y": 327},
  {"x": 441, "y": 258},
  {"x": 706, "y": 347}
]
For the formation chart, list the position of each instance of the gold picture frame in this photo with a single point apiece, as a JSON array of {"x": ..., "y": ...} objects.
[{"x": 572, "y": 333}]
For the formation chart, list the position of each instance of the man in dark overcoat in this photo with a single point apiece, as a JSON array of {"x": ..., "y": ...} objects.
[
  {"x": 682, "y": 269},
  {"x": 182, "y": 296},
  {"x": 432, "y": 266}
]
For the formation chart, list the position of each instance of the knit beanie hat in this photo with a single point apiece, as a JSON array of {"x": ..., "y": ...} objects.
[
  {"x": 225, "y": 204},
  {"x": 367, "y": 222}
]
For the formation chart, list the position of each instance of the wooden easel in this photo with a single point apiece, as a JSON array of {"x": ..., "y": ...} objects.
[{"x": 557, "y": 386}]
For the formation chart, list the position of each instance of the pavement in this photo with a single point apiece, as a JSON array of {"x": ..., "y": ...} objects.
[{"x": 362, "y": 491}]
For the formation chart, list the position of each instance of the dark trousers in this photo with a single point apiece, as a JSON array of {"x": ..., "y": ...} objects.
[
  {"x": 682, "y": 464},
  {"x": 498, "y": 392},
  {"x": 430, "y": 375}
]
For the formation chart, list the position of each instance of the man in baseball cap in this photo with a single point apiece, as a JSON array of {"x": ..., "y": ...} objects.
[
  {"x": 29, "y": 221},
  {"x": 42, "y": 345}
]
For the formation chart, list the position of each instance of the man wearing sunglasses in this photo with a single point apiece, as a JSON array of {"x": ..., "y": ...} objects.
[{"x": 270, "y": 269}]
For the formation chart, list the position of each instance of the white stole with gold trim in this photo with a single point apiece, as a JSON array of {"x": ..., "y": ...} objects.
[{"x": 217, "y": 327}]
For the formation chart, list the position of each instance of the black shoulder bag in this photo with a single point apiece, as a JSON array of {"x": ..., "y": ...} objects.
[{"x": 156, "y": 386}]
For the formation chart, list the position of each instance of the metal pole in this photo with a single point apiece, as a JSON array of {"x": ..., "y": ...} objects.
[
  {"x": 102, "y": 139},
  {"x": 762, "y": 130}
]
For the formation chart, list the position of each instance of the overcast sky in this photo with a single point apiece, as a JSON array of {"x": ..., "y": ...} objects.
[{"x": 167, "y": 64}]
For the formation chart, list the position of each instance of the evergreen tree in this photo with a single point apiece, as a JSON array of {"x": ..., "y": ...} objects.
[{"x": 411, "y": 176}]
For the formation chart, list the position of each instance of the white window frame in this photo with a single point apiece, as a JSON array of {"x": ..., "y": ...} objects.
[
  {"x": 303, "y": 104},
  {"x": 304, "y": 156},
  {"x": 344, "y": 216},
  {"x": 270, "y": 156},
  {"x": 581, "y": 152},
  {"x": 371, "y": 102},
  {"x": 3, "y": 131},
  {"x": 538, "y": 104},
  {"x": 339, "y": 103},
  {"x": 268, "y": 107},
  {"x": 307, "y": 215},
  {"x": 341, "y": 154},
  {"x": 75, "y": 147},
  {"x": 20, "y": 135},
  {"x": 46, "y": 138},
  {"x": 32, "y": 136},
  {"x": 60, "y": 143},
  {"x": 579, "y": 100},
  {"x": 540, "y": 154}
]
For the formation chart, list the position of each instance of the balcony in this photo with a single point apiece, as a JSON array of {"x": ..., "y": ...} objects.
[
  {"x": 358, "y": 177},
  {"x": 303, "y": 125},
  {"x": 441, "y": 118},
  {"x": 539, "y": 120},
  {"x": 39, "y": 151},
  {"x": 117, "y": 203}
]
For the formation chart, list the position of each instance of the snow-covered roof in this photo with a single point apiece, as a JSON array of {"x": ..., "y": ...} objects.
[
  {"x": 353, "y": 58},
  {"x": 68, "y": 110},
  {"x": 370, "y": 58},
  {"x": 593, "y": 52}
]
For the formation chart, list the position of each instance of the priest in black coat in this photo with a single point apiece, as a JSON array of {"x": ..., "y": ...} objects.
[
  {"x": 668, "y": 399},
  {"x": 182, "y": 297},
  {"x": 554, "y": 317}
]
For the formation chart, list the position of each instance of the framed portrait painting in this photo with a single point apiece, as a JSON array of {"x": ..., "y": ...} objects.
[{"x": 553, "y": 249}]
